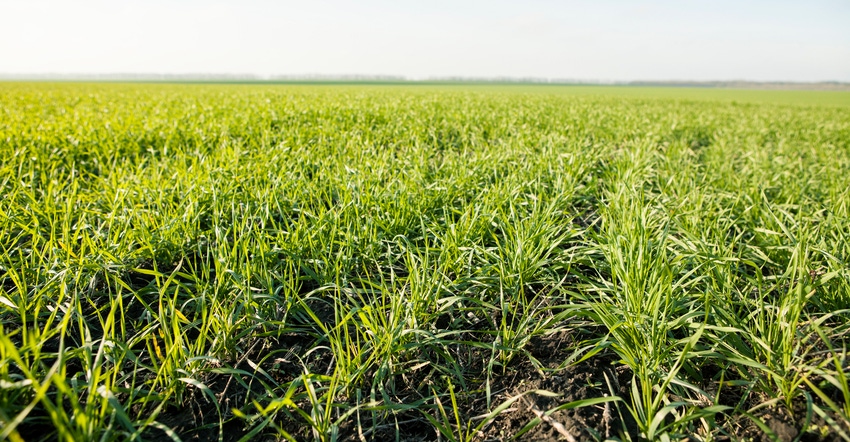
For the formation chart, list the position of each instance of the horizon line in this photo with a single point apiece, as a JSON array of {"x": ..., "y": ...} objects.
[{"x": 367, "y": 78}]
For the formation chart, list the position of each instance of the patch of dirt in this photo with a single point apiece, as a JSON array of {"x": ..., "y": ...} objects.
[
  {"x": 789, "y": 425},
  {"x": 591, "y": 379}
]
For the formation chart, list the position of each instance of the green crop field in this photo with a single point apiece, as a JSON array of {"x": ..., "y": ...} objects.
[{"x": 417, "y": 263}]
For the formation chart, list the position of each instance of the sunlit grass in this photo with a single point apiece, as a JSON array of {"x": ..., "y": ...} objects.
[{"x": 362, "y": 262}]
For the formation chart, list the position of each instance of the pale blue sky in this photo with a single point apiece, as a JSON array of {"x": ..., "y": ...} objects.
[{"x": 588, "y": 40}]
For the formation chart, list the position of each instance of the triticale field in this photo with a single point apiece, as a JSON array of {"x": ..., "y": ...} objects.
[{"x": 418, "y": 263}]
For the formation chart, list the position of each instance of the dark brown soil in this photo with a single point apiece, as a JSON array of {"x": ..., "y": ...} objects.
[
  {"x": 789, "y": 425},
  {"x": 590, "y": 379}
]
